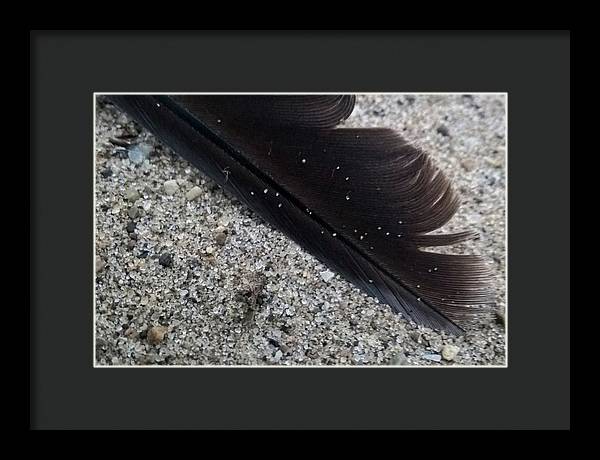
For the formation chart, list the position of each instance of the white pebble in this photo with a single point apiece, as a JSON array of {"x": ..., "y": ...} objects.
[
  {"x": 327, "y": 275},
  {"x": 449, "y": 352},
  {"x": 432, "y": 357},
  {"x": 171, "y": 186},
  {"x": 193, "y": 193}
]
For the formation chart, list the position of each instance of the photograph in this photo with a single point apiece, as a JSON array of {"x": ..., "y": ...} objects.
[{"x": 301, "y": 229}]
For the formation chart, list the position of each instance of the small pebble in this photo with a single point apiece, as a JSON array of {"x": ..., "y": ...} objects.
[
  {"x": 132, "y": 194},
  {"x": 100, "y": 264},
  {"x": 171, "y": 187},
  {"x": 327, "y": 275},
  {"x": 133, "y": 212},
  {"x": 120, "y": 152},
  {"x": 106, "y": 172},
  {"x": 138, "y": 153},
  {"x": 443, "y": 131},
  {"x": 119, "y": 142},
  {"x": 449, "y": 352},
  {"x": 220, "y": 237},
  {"x": 166, "y": 260},
  {"x": 416, "y": 336},
  {"x": 432, "y": 357},
  {"x": 131, "y": 227},
  {"x": 468, "y": 164},
  {"x": 156, "y": 334},
  {"x": 193, "y": 193},
  {"x": 399, "y": 360},
  {"x": 131, "y": 332},
  {"x": 494, "y": 162}
]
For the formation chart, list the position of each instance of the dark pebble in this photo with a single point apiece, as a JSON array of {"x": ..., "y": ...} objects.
[
  {"x": 131, "y": 227},
  {"x": 119, "y": 142},
  {"x": 221, "y": 238},
  {"x": 273, "y": 342},
  {"x": 121, "y": 153},
  {"x": 410, "y": 99},
  {"x": 133, "y": 236},
  {"x": 107, "y": 172},
  {"x": 104, "y": 207},
  {"x": 166, "y": 260},
  {"x": 443, "y": 131},
  {"x": 131, "y": 245}
]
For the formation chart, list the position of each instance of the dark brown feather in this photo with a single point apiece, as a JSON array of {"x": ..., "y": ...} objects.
[{"x": 361, "y": 200}]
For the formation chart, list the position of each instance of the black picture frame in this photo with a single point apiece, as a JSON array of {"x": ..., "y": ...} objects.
[{"x": 66, "y": 68}]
